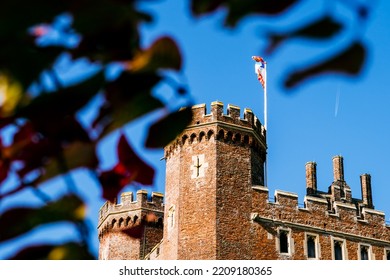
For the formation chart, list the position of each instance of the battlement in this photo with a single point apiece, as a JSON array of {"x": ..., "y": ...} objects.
[
  {"x": 334, "y": 211},
  {"x": 217, "y": 125},
  {"x": 318, "y": 215},
  {"x": 232, "y": 116},
  {"x": 127, "y": 205}
]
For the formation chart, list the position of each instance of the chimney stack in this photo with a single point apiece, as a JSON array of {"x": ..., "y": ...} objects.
[
  {"x": 311, "y": 178},
  {"x": 338, "y": 168},
  {"x": 365, "y": 181}
]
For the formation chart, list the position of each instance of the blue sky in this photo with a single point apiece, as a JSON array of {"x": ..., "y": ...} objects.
[{"x": 326, "y": 116}]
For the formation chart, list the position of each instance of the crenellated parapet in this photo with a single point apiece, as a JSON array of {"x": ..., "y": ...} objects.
[
  {"x": 334, "y": 212},
  {"x": 130, "y": 212},
  {"x": 316, "y": 215},
  {"x": 217, "y": 125},
  {"x": 232, "y": 116}
]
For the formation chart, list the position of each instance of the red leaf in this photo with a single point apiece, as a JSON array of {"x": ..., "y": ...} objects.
[
  {"x": 128, "y": 169},
  {"x": 136, "y": 167},
  {"x": 26, "y": 131},
  {"x": 111, "y": 184}
]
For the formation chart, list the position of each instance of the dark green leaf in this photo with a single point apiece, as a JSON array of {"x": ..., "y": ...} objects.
[
  {"x": 238, "y": 9},
  {"x": 24, "y": 62},
  {"x": 166, "y": 129},
  {"x": 109, "y": 28},
  {"x": 349, "y": 61},
  {"x": 22, "y": 14},
  {"x": 74, "y": 155},
  {"x": 67, "y": 251},
  {"x": 51, "y": 107},
  {"x": 162, "y": 54},
  {"x": 122, "y": 114},
  {"x": 128, "y": 98},
  {"x": 200, "y": 7},
  {"x": 17, "y": 221},
  {"x": 323, "y": 28}
]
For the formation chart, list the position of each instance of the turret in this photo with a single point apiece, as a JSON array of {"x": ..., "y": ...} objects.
[
  {"x": 210, "y": 169},
  {"x": 131, "y": 228}
]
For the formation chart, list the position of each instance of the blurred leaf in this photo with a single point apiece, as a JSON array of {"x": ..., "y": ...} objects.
[
  {"x": 135, "y": 167},
  {"x": 200, "y": 7},
  {"x": 128, "y": 98},
  {"x": 129, "y": 168},
  {"x": 24, "y": 62},
  {"x": 66, "y": 130},
  {"x": 17, "y": 221},
  {"x": 51, "y": 107},
  {"x": 21, "y": 14},
  {"x": 349, "y": 61},
  {"x": 4, "y": 169},
  {"x": 4, "y": 162},
  {"x": 129, "y": 84},
  {"x": 323, "y": 28},
  {"x": 109, "y": 28},
  {"x": 128, "y": 111},
  {"x": 112, "y": 183},
  {"x": 162, "y": 54},
  {"x": 33, "y": 154},
  {"x": 74, "y": 155},
  {"x": 67, "y": 251},
  {"x": 166, "y": 129},
  {"x": 109, "y": 45},
  {"x": 10, "y": 94},
  {"x": 238, "y": 9}
]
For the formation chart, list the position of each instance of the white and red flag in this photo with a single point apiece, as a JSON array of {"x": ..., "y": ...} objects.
[{"x": 260, "y": 69}]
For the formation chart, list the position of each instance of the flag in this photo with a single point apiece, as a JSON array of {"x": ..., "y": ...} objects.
[{"x": 260, "y": 69}]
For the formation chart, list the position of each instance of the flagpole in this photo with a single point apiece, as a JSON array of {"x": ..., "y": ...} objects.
[{"x": 261, "y": 72}]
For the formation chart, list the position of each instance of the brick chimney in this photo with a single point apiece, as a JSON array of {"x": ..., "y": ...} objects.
[
  {"x": 338, "y": 168},
  {"x": 365, "y": 182},
  {"x": 311, "y": 178}
]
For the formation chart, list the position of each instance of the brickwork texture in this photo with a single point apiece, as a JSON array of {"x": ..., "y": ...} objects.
[{"x": 217, "y": 207}]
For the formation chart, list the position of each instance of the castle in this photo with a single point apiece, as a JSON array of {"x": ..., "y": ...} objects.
[{"x": 217, "y": 207}]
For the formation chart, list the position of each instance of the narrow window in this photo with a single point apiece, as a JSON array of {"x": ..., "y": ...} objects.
[
  {"x": 388, "y": 255},
  {"x": 363, "y": 252},
  {"x": 283, "y": 241},
  {"x": 311, "y": 247},
  {"x": 171, "y": 217},
  {"x": 338, "y": 250}
]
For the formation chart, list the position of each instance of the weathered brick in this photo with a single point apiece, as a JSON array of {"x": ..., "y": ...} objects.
[{"x": 217, "y": 207}]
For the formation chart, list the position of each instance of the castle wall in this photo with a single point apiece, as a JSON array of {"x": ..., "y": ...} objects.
[
  {"x": 233, "y": 201},
  {"x": 131, "y": 228},
  {"x": 217, "y": 207},
  {"x": 315, "y": 219}
]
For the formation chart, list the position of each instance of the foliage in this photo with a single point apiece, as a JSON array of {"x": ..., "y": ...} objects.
[{"x": 49, "y": 139}]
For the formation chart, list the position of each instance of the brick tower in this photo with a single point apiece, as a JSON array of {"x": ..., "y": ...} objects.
[
  {"x": 130, "y": 215},
  {"x": 210, "y": 170},
  {"x": 217, "y": 207}
]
